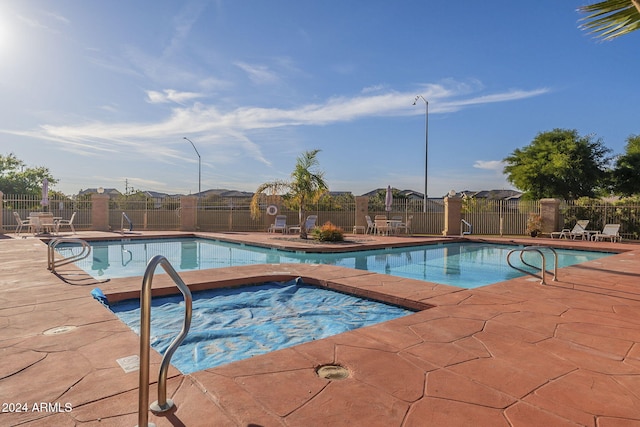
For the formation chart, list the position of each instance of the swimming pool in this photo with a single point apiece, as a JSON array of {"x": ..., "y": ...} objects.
[
  {"x": 232, "y": 324},
  {"x": 466, "y": 264}
]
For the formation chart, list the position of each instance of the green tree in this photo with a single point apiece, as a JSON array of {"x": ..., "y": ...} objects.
[
  {"x": 17, "y": 178},
  {"x": 559, "y": 163},
  {"x": 626, "y": 174},
  {"x": 307, "y": 185},
  {"x": 609, "y": 19}
]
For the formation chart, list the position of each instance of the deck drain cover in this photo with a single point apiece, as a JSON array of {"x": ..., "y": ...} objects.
[
  {"x": 332, "y": 372},
  {"x": 59, "y": 330}
]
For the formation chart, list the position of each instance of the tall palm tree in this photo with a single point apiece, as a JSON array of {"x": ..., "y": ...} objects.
[
  {"x": 609, "y": 19},
  {"x": 307, "y": 185}
]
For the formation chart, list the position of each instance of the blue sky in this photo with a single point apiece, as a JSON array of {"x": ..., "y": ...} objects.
[{"x": 104, "y": 92}]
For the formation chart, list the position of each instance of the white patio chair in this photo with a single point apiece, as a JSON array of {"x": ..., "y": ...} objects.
[
  {"x": 47, "y": 224},
  {"x": 22, "y": 223},
  {"x": 406, "y": 226},
  {"x": 371, "y": 226},
  {"x": 279, "y": 225},
  {"x": 382, "y": 226},
  {"x": 68, "y": 222},
  {"x": 610, "y": 232},
  {"x": 578, "y": 230},
  {"x": 309, "y": 224}
]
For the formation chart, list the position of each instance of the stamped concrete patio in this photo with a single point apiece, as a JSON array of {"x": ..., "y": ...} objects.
[{"x": 516, "y": 353}]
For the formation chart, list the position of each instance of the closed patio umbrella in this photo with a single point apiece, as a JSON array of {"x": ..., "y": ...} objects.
[
  {"x": 388, "y": 200},
  {"x": 45, "y": 192}
]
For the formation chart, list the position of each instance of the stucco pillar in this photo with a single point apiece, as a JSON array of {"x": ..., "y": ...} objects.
[
  {"x": 100, "y": 212},
  {"x": 550, "y": 214},
  {"x": 452, "y": 216},
  {"x": 362, "y": 209},
  {"x": 188, "y": 213}
]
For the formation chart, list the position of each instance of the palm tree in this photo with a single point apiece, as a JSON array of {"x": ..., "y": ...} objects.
[
  {"x": 612, "y": 18},
  {"x": 307, "y": 185}
]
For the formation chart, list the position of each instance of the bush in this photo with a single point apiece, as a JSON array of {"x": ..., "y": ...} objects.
[{"x": 328, "y": 233}]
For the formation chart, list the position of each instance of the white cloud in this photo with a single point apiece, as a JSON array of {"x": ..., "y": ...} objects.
[
  {"x": 259, "y": 74},
  {"x": 170, "y": 95},
  {"x": 494, "y": 165},
  {"x": 213, "y": 125}
]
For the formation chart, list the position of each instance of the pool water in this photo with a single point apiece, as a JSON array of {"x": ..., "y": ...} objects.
[
  {"x": 237, "y": 323},
  {"x": 467, "y": 264}
]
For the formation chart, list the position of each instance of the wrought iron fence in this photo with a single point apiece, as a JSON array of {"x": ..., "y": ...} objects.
[
  {"x": 502, "y": 217},
  {"x": 147, "y": 214},
  {"x": 600, "y": 212},
  {"x": 63, "y": 208},
  {"x": 490, "y": 217}
]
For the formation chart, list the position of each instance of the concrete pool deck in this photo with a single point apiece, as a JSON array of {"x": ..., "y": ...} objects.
[{"x": 516, "y": 353}]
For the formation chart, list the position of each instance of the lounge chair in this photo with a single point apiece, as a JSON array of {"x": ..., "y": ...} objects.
[
  {"x": 578, "y": 230},
  {"x": 309, "y": 224},
  {"x": 279, "y": 225},
  {"x": 22, "y": 223},
  {"x": 69, "y": 222},
  {"x": 610, "y": 232}
]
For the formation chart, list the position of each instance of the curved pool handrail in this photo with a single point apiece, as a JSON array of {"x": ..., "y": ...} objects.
[
  {"x": 470, "y": 227},
  {"x": 52, "y": 263},
  {"x": 122, "y": 220},
  {"x": 162, "y": 404},
  {"x": 543, "y": 269}
]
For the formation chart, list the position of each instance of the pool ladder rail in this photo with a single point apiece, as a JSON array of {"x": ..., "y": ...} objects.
[
  {"x": 543, "y": 269},
  {"x": 162, "y": 404},
  {"x": 53, "y": 263},
  {"x": 124, "y": 218},
  {"x": 468, "y": 225}
]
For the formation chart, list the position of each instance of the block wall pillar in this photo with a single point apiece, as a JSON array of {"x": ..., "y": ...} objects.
[
  {"x": 452, "y": 216},
  {"x": 362, "y": 210},
  {"x": 100, "y": 212},
  {"x": 550, "y": 214},
  {"x": 188, "y": 213}
]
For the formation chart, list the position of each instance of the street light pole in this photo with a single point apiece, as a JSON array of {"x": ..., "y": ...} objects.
[
  {"x": 199, "y": 166},
  {"x": 426, "y": 146}
]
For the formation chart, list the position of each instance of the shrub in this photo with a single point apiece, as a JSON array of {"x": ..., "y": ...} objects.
[
  {"x": 534, "y": 224},
  {"x": 328, "y": 233}
]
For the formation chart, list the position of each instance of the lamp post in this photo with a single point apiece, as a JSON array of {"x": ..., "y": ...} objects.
[
  {"x": 199, "y": 165},
  {"x": 426, "y": 145}
]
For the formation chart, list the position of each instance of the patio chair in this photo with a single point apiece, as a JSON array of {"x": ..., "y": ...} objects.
[
  {"x": 610, "y": 232},
  {"x": 47, "y": 224},
  {"x": 22, "y": 223},
  {"x": 371, "y": 226},
  {"x": 279, "y": 225},
  {"x": 406, "y": 226},
  {"x": 68, "y": 222},
  {"x": 382, "y": 226},
  {"x": 309, "y": 224},
  {"x": 578, "y": 230}
]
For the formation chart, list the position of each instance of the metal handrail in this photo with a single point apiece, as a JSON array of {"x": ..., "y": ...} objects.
[
  {"x": 122, "y": 219},
  {"x": 51, "y": 248},
  {"x": 162, "y": 404},
  {"x": 470, "y": 231},
  {"x": 543, "y": 269}
]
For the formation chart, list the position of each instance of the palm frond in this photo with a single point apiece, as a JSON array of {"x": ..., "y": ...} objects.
[
  {"x": 272, "y": 188},
  {"x": 611, "y": 18}
]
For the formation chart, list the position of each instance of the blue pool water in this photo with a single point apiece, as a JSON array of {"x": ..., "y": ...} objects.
[
  {"x": 466, "y": 265},
  {"x": 237, "y": 323}
]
